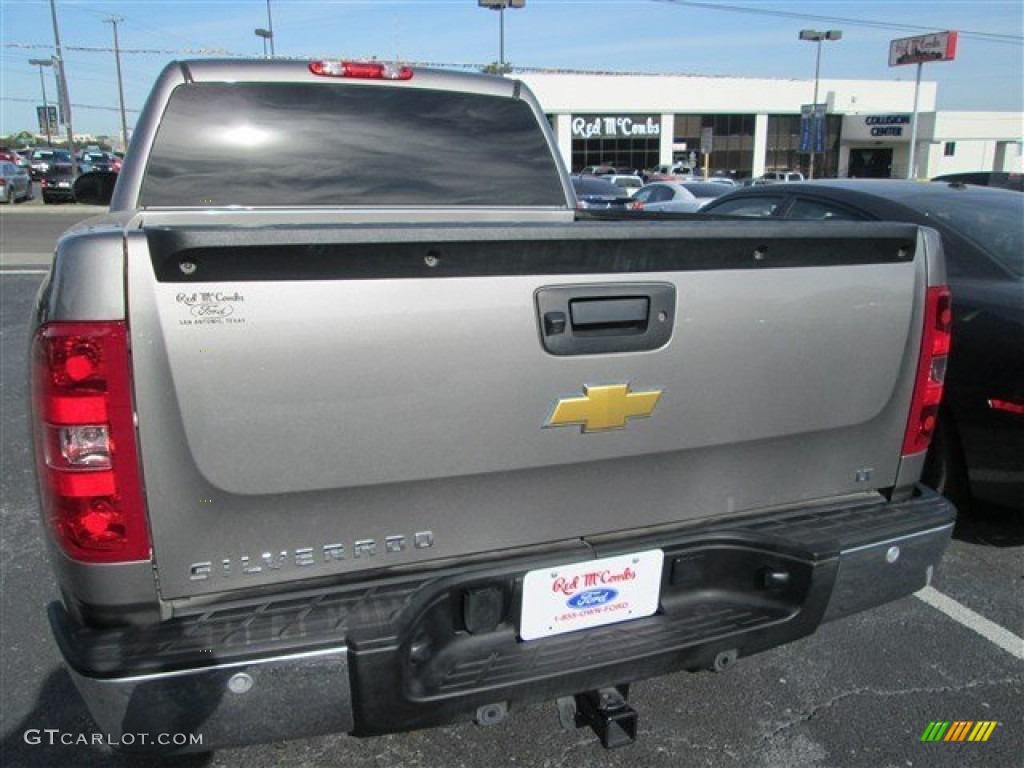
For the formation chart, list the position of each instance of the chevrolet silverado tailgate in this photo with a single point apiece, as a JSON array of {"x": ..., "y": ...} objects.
[{"x": 320, "y": 400}]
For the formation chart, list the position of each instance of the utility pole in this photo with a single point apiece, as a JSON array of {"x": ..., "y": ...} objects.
[
  {"x": 113, "y": 21},
  {"x": 63, "y": 96}
]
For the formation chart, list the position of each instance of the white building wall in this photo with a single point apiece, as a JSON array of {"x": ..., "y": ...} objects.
[
  {"x": 983, "y": 141},
  {"x": 691, "y": 94},
  {"x": 668, "y": 128},
  {"x": 563, "y": 133},
  {"x": 760, "y": 145}
]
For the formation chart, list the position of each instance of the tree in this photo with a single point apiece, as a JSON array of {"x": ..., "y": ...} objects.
[{"x": 497, "y": 68}]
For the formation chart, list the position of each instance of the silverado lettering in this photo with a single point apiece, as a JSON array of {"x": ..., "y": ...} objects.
[
  {"x": 306, "y": 557},
  {"x": 362, "y": 326}
]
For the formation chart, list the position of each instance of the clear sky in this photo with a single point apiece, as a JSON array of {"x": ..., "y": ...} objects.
[{"x": 754, "y": 38}]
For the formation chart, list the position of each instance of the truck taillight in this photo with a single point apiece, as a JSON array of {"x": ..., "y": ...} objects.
[
  {"x": 931, "y": 371},
  {"x": 359, "y": 70},
  {"x": 85, "y": 442}
]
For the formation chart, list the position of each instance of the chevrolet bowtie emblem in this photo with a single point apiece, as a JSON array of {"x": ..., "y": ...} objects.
[{"x": 604, "y": 407}]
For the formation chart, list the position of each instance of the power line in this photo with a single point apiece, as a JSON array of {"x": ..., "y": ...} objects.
[
  {"x": 990, "y": 37},
  {"x": 147, "y": 51},
  {"x": 76, "y": 106}
]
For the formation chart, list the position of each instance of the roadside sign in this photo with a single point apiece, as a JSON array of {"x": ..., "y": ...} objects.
[
  {"x": 920, "y": 50},
  {"x": 48, "y": 127},
  {"x": 812, "y": 128},
  {"x": 938, "y": 46}
]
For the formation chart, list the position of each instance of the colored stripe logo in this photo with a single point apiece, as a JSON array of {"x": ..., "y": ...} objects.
[{"x": 959, "y": 730}]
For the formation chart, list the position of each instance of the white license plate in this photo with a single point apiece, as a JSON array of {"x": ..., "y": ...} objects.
[{"x": 590, "y": 594}]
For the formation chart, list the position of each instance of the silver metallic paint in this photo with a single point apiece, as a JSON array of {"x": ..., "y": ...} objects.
[{"x": 256, "y": 440}]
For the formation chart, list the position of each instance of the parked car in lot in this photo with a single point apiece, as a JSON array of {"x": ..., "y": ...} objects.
[
  {"x": 979, "y": 448},
  {"x": 670, "y": 172},
  {"x": 726, "y": 181},
  {"x": 1014, "y": 181},
  {"x": 774, "y": 177},
  {"x": 666, "y": 196},
  {"x": 627, "y": 182},
  {"x": 43, "y": 159},
  {"x": 24, "y": 158},
  {"x": 705, "y": 191},
  {"x": 57, "y": 185},
  {"x": 10, "y": 156},
  {"x": 15, "y": 183},
  {"x": 604, "y": 169},
  {"x": 98, "y": 161},
  {"x": 599, "y": 194}
]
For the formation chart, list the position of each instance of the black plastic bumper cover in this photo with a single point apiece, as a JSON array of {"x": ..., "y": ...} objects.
[{"x": 417, "y": 652}]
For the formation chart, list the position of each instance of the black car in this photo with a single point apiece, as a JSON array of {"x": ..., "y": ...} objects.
[
  {"x": 1014, "y": 181},
  {"x": 44, "y": 159},
  {"x": 596, "y": 193},
  {"x": 978, "y": 449},
  {"x": 57, "y": 184}
]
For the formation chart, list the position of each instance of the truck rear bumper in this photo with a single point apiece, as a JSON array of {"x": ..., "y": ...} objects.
[{"x": 436, "y": 649}]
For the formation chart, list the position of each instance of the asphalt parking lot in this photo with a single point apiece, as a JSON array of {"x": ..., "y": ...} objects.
[{"x": 859, "y": 692}]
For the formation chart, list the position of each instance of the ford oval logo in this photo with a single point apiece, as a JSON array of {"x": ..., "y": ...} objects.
[
  {"x": 211, "y": 310},
  {"x": 592, "y": 598}
]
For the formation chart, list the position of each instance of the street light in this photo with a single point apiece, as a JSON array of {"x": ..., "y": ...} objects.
[
  {"x": 270, "y": 30},
  {"x": 42, "y": 82},
  {"x": 266, "y": 34},
  {"x": 816, "y": 36},
  {"x": 500, "y": 6}
]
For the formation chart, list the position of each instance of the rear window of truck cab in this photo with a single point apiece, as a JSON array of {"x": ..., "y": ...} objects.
[{"x": 314, "y": 144}]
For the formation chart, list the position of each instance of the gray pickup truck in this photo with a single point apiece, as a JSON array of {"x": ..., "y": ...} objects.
[{"x": 348, "y": 421}]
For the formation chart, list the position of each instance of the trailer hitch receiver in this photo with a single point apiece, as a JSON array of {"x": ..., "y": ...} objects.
[{"x": 606, "y": 712}]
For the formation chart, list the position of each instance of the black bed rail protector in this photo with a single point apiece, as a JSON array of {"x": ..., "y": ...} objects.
[{"x": 354, "y": 252}]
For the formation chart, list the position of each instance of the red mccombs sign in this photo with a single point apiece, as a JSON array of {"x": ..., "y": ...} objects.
[{"x": 938, "y": 46}]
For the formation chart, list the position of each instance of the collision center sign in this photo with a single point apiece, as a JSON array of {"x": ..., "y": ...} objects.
[{"x": 938, "y": 46}]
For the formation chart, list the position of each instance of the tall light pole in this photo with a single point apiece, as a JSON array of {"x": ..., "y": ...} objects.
[
  {"x": 266, "y": 34},
  {"x": 113, "y": 21},
  {"x": 63, "y": 96},
  {"x": 46, "y": 106},
  {"x": 270, "y": 30},
  {"x": 499, "y": 6},
  {"x": 816, "y": 36}
]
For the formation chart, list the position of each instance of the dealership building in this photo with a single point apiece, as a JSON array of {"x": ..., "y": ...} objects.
[{"x": 752, "y": 125}]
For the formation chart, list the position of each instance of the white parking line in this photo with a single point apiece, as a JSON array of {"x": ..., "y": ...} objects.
[
  {"x": 23, "y": 271},
  {"x": 991, "y": 631}
]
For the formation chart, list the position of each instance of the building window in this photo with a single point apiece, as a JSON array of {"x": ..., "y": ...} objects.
[
  {"x": 732, "y": 145},
  {"x": 950, "y": 149},
  {"x": 627, "y": 154}
]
